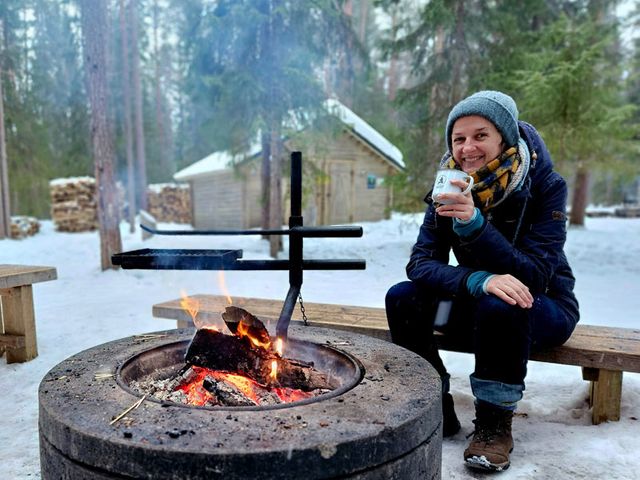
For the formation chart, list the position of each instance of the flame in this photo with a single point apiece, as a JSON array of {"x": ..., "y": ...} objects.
[
  {"x": 191, "y": 306},
  {"x": 243, "y": 331},
  {"x": 274, "y": 370},
  {"x": 223, "y": 286},
  {"x": 279, "y": 346}
]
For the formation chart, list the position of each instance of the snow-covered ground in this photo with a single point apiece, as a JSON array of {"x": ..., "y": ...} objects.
[{"x": 553, "y": 433}]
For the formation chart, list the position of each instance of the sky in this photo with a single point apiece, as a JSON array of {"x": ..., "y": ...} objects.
[{"x": 554, "y": 438}]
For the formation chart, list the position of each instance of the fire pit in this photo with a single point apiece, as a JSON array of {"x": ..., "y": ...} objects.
[
  {"x": 375, "y": 412},
  {"x": 384, "y": 421}
]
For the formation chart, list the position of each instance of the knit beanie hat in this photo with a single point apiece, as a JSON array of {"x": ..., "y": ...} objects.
[{"x": 497, "y": 107}]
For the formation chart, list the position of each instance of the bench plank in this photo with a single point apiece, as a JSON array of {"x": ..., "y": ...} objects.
[
  {"x": 589, "y": 346},
  {"x": 19, "y": 275}
]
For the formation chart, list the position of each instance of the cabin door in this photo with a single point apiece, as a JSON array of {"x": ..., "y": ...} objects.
[{"x": 340, "y": 194}]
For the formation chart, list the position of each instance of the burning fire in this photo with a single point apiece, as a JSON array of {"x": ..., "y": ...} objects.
[
  {"x": 197, "y": 395},
  {"x": 243, "y": 331},
  {"x": 207, "y": 387}
]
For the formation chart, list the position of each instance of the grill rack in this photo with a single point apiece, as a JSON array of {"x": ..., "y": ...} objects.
[{"x": 200, "y": 259}]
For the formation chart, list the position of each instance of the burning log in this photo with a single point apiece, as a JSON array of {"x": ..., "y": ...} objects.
[
  {"x": 226, "y": 393},
  {"x": 242, "y": 323},
  {"x": 252, "y": 356}
]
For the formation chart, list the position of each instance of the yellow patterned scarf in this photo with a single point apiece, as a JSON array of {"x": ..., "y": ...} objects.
[{"x": 494, "y": 181}]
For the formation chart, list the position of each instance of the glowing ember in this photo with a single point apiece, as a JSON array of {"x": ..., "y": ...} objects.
[{"x": 196, "y": 394}]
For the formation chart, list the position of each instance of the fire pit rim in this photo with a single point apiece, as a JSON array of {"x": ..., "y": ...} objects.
[
  {"x": 77, "y": 426},
  {"x": 358, "y": 374}
]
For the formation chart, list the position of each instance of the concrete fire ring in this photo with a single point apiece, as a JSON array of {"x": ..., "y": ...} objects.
[{"x": 387, "y": 427}]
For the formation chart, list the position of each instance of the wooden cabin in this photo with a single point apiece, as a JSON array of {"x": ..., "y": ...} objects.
[{"x": 343, "y": 180}]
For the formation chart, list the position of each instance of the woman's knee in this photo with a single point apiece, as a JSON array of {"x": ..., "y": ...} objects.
[
  {"x": 492, "y": 313},
  {"x": 401, "y": 292}
]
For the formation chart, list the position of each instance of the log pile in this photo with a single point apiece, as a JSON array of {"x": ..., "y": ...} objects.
[
  {"x": 73, "y": 204},
  {"x": 22, "y": 226},
  {"x": 169, "y": 202}
]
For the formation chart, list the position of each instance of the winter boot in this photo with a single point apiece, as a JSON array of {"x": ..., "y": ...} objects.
[
  {"x": 492, "y": 441},
  {"x": 450, "y": 423}
]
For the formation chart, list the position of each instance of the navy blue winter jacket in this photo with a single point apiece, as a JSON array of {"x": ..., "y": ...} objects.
[{"x": 523, "y": 236}]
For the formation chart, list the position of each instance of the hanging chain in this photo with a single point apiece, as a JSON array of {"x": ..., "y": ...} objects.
[{"x": 304, "y": 314}]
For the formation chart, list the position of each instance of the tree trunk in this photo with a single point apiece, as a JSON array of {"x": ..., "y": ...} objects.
[
  {"x": 265, "y": 179},
  {"x": 94, "y": 32},
  {"x": 160, "y": 126},
  {"x": 393, "y": 62},
  {"x": 5, "y": 210},
  {"x": 275, "y": 191},
  {"x": 128, "y": 130},
  {"x": 139, "y": 125},
  {"x": 438, "y": 104},
  {"x": 362, "y": 31},
  {"x": 580, "y": 196}
]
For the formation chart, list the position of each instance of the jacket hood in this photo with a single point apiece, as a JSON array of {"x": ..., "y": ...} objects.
[{"x": 541, "y": 163}]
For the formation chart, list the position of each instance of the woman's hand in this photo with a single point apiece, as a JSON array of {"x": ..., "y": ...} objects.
[
  {"x": 511, "y": 290},
  {"x": 461, "y": 205}
]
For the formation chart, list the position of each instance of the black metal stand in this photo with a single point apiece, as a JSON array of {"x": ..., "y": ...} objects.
[{"x": 181, "y": 259}]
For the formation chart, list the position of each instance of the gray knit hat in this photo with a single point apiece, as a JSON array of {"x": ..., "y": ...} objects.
[{"x": 497, "y": 107}]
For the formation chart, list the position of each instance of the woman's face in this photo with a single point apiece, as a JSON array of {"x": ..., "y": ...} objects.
[{"x": 475, "y": 142}]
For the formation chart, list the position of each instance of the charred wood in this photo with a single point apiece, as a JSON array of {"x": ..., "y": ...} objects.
[{"x": 217, "y": 351}]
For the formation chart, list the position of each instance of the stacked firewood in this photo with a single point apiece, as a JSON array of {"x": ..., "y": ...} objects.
[
  {"x": 22, "y": 226},
  {"x": 169, "y": 202},
  {"x": 73, "y": 204}
]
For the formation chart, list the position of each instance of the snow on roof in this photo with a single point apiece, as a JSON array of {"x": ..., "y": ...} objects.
[
  {"x": 222, "y": 160},
  {"x": 215, "y": 162},
  {"x": 366, "y": 131}
]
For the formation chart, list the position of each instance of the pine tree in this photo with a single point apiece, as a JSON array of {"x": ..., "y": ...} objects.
[
  {"x": 94, "y": 32},
  {"x": 571, "y": 90},
  {"x": 5, "y": 209}
]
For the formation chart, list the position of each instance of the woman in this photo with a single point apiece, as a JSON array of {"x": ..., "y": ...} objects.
[{"x": 512, "y": 290}]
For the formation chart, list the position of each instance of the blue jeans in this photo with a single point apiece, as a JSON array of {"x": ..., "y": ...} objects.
[{"x": 500, "y": 335}]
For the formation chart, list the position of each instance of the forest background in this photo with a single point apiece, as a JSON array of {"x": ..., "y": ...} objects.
[{"x": 184, "y": 78}]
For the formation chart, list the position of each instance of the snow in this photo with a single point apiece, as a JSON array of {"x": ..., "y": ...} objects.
[
  {"x": 70, "y": 180},
  {"x": 215, "y": 162},
  {"x": 158, "y": 187},
  {"x": 554, "y": 437},
  {"x": 365, "y": 130}
]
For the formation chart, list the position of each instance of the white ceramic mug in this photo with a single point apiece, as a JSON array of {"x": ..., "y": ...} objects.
[{"x": 443, "y": 183}]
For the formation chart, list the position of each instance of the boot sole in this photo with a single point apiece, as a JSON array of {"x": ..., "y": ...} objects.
[{"x": 481, "y": 463}]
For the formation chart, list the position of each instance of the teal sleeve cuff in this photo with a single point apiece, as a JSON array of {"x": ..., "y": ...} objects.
[
  {"x": 467, "y": 229},
  {"x": 476, "y": 282}
]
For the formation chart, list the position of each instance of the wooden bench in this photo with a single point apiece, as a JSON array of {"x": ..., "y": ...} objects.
[
  {"x": 602, "y": 352},
  {"x": 17, "y": 318}
]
